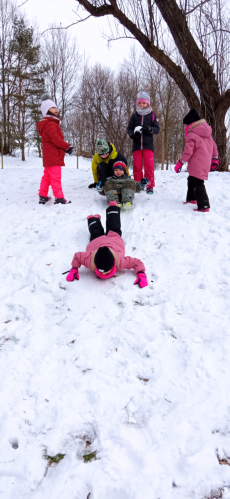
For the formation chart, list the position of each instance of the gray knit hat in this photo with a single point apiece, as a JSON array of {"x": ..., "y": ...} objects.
[{"x": 102, "y": 146}]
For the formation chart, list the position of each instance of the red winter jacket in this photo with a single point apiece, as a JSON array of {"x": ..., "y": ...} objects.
[{"x": 53, "y": 144}]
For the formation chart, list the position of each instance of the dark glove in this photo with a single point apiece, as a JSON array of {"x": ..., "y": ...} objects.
[
  {"x": 147, "y": 129},
  {"x": 70, "y": 150},
  {"x": 92, "y": 186},
  {"x": 144, "y": 182},
  {"x": 138, "y": 131}
]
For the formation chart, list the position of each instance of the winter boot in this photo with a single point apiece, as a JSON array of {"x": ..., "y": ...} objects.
[
  {"x": 149, "y": 190},
  {"x": 127, "y": 196},
  {"x": 203, "y": 210},
  {"x": 93, "y": 216},
  {"x": 44, "y": 199},
  {"x": 112, "y": 196},
  {"x": 127, "y": 192},
  {"x": 127, "y": 206},
  {"x": 190, "y": 202},
  {"x": 61, "y": 201}
]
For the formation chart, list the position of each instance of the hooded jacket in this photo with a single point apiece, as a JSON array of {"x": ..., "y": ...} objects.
[
  {"x": 199, "y": 150},
  {"x": 143, "y": 140},
  {"x": 53, "y": 144},
  {"x": 116, "y": 244},
  {"x": 113, "y": 155}
]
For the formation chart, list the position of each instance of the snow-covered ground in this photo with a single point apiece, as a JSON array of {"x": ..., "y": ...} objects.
[{"x": 141, "y": 377}]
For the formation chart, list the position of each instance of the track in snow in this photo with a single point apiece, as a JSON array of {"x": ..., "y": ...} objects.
[{"x": 72, "y": 359}]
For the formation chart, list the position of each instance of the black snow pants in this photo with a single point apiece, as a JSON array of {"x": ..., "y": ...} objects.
[
  {"x": 197, "y": 192},
  {"x": 104, "y": 170},
  {"x": 113, "y": 222}
]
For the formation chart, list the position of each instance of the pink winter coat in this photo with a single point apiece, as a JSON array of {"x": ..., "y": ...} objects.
[
  {"x": 116, "y": 244},
  {"x": 199, "y": 150}
]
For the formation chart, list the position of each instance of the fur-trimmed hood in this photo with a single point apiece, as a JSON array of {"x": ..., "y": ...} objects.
[{"x": 201, "y": 128}]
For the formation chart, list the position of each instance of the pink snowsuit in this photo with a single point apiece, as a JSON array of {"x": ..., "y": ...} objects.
[
  {"x": 116, "y": 244},
  {"x": 199, "y": 149}
]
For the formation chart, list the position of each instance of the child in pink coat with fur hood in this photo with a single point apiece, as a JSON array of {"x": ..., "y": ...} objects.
[
  {"x": 105, "y": 254},
  {"x": 200, "y": 153}
]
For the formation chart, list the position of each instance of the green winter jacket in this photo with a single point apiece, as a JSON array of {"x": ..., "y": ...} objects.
[{"x": 119, "y": 181}]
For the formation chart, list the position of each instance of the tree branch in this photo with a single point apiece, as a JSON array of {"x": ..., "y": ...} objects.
[
  {"x": 173, "y": 69},
  {"x": 224, "y": 102},
  {"x": 196, "y": 7},
  {"x": 66, "y": 27},
  {"x": 23, "y": 3},
  {"x": 195, "y": 61}
]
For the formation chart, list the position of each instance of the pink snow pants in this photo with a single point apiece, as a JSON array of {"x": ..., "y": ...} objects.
[
  {"x": 51, "y": 176},
  {"x": 143, "y": 156}
]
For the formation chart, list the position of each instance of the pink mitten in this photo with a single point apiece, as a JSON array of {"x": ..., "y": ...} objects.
[
  {"x": 178, "y": 166},
  {"x": 141, "y": 280},
  {"x": 73, "y": 274},
  {"x": 214, "y": 165}
]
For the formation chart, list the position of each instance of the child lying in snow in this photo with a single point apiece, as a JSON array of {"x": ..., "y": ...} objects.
[
  {"x": 106, "y": 253},
  {"x": 120, "y": 187}
]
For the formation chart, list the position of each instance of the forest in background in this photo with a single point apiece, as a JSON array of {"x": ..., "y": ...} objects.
[{"x": 93, "y": 100}]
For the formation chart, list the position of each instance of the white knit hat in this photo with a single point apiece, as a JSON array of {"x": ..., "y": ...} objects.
[{"x": 46, "y": 104}]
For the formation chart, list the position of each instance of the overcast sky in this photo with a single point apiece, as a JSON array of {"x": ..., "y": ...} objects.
[{"x": 88, "y": 34}]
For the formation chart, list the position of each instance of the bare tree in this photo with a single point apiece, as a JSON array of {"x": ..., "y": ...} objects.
[
  {"x": 62, "y": 57},
  {"x": 199, "y": 33},
  {"x": 7, "y": 11}
]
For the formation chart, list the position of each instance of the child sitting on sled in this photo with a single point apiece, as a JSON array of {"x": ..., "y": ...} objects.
[
  {"x": 105, "y": 254},
  {"x": 120, "y": 187}
]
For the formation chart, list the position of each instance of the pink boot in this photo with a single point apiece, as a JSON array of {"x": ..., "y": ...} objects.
[
  {"x": 93, "y": 216},
  {"x": 192, "y": 202},
  {"x": 113, "y": 203},
  {"x": 204, "y": 210}
]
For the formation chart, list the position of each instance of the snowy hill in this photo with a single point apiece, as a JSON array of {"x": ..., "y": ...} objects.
[{"x": 138, "y": 378}]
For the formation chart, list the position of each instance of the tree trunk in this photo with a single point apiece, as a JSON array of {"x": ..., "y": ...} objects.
[
  {"x": 220, "y": 137},
  {"x": 23, "y": 150},
  {"x": 211, "y": 104}
]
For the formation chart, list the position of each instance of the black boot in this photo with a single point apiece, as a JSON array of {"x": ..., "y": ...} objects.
[
  {"x": 43, "y": 199},
  {"x": 61, "y": 201}
]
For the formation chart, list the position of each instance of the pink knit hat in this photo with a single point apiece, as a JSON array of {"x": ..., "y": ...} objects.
[
  {"x": 111, "y": 273},
  {"x": 143, "y": 97}
]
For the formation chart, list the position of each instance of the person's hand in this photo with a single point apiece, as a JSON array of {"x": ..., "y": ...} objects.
[
  {"x": 138, "y": 129},
  {"x": 178, "y": 166},
  {"x": 73, "y": 274},
  {"x": 141, "y": 280},
  {"x": 92, "y": 186},
  {"x": 70, "y": 150},
  {"x": 215, "y": 165},
  {"x": 144, "y": 181},
  {"x": 100, "y": 188},
  {"x": 147, "y": 129}
]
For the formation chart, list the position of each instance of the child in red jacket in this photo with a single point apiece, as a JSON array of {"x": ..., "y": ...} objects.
[{"x": 54, "y": 149}]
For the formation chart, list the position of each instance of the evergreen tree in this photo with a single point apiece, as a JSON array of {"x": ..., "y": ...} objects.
[{"x": 27, "y": 73}]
